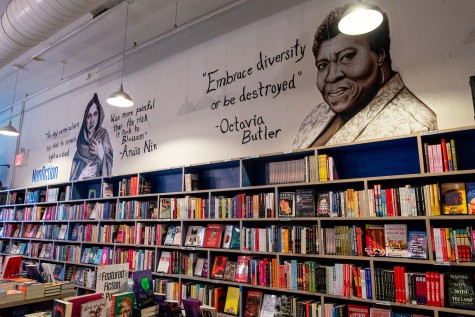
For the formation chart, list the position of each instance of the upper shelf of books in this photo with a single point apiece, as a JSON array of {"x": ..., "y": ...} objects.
[{"x": 428, "y": 155}]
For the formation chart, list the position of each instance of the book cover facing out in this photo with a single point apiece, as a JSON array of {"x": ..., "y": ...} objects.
[
  {"x": 460, "y": 290},
  {"x": 143, "y": 287},
  {"x": 305, "y": 206},
  {"x": 286, "y": 204},
  {"x": 417, "y": 244},
  {"x": 453, "y": 196}
]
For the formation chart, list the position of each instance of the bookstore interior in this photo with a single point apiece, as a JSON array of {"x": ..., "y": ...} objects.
[{"x": 261, "y": 158}]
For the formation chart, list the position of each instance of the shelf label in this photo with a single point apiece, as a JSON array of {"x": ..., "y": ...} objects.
[
  {"x": 284, "y": 219},
  {"x": 445, "y": 263},
  {"x": 189, "y": 248},
  {"x": 383, "y": 302}
]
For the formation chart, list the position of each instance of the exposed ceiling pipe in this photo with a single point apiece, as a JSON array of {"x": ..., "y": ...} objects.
[{"x": 26, "y": 23}]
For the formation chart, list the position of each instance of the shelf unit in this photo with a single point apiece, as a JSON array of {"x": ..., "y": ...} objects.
[{"x": 390, "y": 163}]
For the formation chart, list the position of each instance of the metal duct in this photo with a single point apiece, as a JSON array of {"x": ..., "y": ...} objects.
[{"x": 26, "y": 23}]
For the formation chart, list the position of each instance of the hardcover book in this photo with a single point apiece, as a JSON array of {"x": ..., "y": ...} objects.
[
  {"x": 470, "y": 188},
  {"x": 107, "y": 190},
  {"x": 208, "y": 311},
  {"x": 233, "y": 297},
  {"x": 379, "y": 312},
  {"x": 164, "y": 262},
  {"x": 235, "y": 238},
  {"x": 286, "y": 204},
  {"x": 323, "y": 204},
  {"x": 417, "y": 244},
  {"x": 460, "y": 291},
  {"x": 453, "y": 197},
  {"x": 358, "y": 310},
  {"x": 213, "y": 235},
  {"x": 230, "y": 271},
  {"x": 177, "y": 236},
  {"x": 395, "y": 236},
  {"x": 62, "y": 308},
  {"x": 305, "y": 206},
  {"x": 375, "y": 242},
  {"x": 242, "y": 269},
  {"x": 228, "y": 232},
  {"x": 165, "y": 208},
  {"x": 252, "y": 304},
  {"x": 268, "y": 305},
  {"x": 174, "y": 309},
  {"x": 192, "y": 307},
  {"x": 143, "y": 288},
  {"x": 78, "y": 300},
  {"x": 219, "y": 266},
  {"x": 169, "y": 238},
  {"x": 198, "y": 270},
  {"x": 122, "y": 304},
  {"x": 194, "y": 236},
  {"x": 96, "y": 308}
]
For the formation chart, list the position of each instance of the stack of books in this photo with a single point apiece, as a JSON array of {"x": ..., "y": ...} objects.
[
  {"x": 66, "y": 287},
  {"x": 32, "y": 290},
  {"x": 14, "y": 295},
  {"x": 52, "y": 289}
]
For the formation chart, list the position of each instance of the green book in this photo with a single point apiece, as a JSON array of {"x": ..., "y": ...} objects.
[{"x": 122, "y": 304}]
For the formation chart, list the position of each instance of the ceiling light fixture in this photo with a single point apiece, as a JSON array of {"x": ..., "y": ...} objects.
[
  {"x": 360, "y": 19},
  {"x": 9, "y": 129},
  {"x": 120, "y": 98}
]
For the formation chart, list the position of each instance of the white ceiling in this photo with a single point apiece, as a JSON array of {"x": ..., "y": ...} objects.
[{"x": 91, "y": 42}]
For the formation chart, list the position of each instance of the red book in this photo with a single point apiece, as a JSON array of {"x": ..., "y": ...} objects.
[
  {"x": 436, "y": 280},
  {"x": 213, "y": 235},
  {"x": 12, "y": 266},
  {"x": 242, "y": 269},
  {"x": 389, "y": 202},
  {"x": 443, "y": 146},
  {"x": 396, "y": 284},
  {"x": 219, "y": 266},
  {"x": 443, "y": 242},
  {"x": 78, "y": 300},
  {"x": 358, "y": 310},
  {"x": 429, "y": 289}
]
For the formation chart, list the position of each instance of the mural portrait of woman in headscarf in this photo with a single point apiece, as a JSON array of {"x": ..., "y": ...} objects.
[{"x": 94, "y": 154}]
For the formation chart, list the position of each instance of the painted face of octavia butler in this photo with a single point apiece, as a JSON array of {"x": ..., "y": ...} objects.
[{"x": 347, "y": 72}]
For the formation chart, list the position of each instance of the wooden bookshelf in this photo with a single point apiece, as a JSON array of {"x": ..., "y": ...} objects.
[{"x": 389, "y": 163}]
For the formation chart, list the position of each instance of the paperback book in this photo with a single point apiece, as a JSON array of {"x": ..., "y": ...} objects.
[
  {"x": 417, "y": 245},
  {"x": 395, "y": 236},
  {"x": 453, "y": 197},
  {"x": 286, "y": 204},
  {"x": 143, "y": 288},
  {"x": 252, "y": 304},
  {"x": 305, "y": 206},
  {"x": 213, "y": 235},
  {"x": 233, "y": 297}
]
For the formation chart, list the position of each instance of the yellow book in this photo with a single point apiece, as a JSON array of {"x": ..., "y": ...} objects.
[
  {"x": 453, "y": 198},
  {"x": 322, "y": 167},
  {"x": 232, "y": 300}
]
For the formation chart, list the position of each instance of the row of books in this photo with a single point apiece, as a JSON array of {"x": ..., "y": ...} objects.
[
  {"x": 440, "y": 157},
  {"x": 243, "y": 206},
  {"x": 296, "y": 239},
  {"x": 214, "y": 235},
  {"x": 453, "y": 245},
  {"x": 309, "y": 203},
  {"x": 425, "y": 200},
  {"x": 134, "y": 209},
  {"x": 447, "y": 289},
  {"x": 293, "y": 171},
  {"x": 327, "y": 170},
  {"x": 187, "y": 207}
]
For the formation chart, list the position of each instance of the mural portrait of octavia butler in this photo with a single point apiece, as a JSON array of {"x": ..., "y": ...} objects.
[
  {"x": 94, "y": 155},
  {"x": 364, "y": 98}
]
